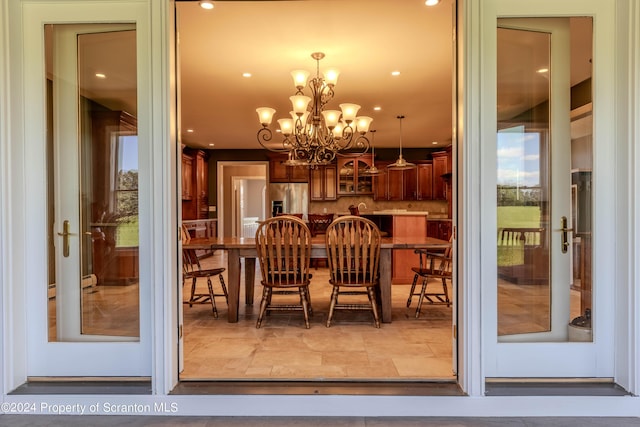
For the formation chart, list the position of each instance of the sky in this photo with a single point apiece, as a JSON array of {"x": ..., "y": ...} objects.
[
  {"x": 518, "y": 157},
  {"x": 128, "y": 152}
]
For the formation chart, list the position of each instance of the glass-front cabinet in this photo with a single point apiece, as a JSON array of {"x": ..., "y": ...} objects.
[{"x": 351, "y": 176}]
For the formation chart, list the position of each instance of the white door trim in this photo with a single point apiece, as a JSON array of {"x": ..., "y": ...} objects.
[{"x": 605, "y": 151}]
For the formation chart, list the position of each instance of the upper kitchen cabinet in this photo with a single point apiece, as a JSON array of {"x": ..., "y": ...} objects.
[
  {"x": 351, "y": 177},
  {"x": 195, "y": 184},
  {"x": 401, "y": 185},
  {"x": 425, "y": 181},
  {"x": 322, "y": 181},
  {"x": 441, "y": 167},
  {"x": 280, "y": 172},
  {"x": 187, "y": 173}
]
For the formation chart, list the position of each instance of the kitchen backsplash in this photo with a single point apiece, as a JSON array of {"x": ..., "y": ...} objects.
[{"x": 341, "y": 205}]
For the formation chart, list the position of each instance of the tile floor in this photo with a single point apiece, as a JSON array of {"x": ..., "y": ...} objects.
[
  {"x": 406, "y": 349},
  {"x": 352, "y": 348}
]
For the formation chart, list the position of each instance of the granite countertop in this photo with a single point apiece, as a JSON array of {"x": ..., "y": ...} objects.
[{"x": 402, "y": 212}]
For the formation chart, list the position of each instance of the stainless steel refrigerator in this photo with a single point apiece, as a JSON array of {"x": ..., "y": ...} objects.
[{"x": 294, "y": 197}]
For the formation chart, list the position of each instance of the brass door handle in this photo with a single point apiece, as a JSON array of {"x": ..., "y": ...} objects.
[
  {"x": 565, "y": 234},
  {"x": 65, "y": 238}
]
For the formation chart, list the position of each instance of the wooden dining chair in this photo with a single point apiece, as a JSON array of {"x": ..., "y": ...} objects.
[
  {"x": 283, "y": 245},
  {"x": 192, "y": 270},
  {"x": 433, "y": 265},
  {"x": 353, "y": 251},
  {"x": 318, "y": 224}
]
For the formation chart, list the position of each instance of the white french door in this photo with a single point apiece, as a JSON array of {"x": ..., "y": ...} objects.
[
  {"x": 85, "y": 78},
  {"x": 531, "y": 290}
]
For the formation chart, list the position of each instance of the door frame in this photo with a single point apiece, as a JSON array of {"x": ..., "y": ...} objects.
[
  {"x": 25, "y": 224},
  {"x": 606, "y": 158},
  {"x": 14, "y": 224}
]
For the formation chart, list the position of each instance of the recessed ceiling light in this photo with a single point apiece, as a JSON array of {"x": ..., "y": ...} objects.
[
  {"x": 377, "y": 108},
  {"x": 395, "y": 73},
  {"x": 206, "y": 4},
  {"x": 190, "y": 130},
  {"x": 542, "y": 70},
  {"x": 431, "y": 2},
  {"x": 246, "y": 75},
  {"x": 212, "y": 145},
  {"x": 435, "y": 142},
  {"x": 101, "y": 75}
]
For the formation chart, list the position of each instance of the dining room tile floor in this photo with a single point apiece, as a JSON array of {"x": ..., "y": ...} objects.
[
  {"x": 409, "y": 348},
  {"x": 352, "y": 348}
]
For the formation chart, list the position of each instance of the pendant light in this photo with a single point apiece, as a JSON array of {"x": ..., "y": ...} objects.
[
  {"x": 401, "y": 163},
  {"x": 373, "y": 170}
]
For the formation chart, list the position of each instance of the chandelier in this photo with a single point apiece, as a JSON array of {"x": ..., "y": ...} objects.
[{"x": 313, "y": 135}]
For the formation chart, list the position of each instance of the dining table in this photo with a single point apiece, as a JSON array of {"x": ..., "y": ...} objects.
[{"x": 239, "y": 248}]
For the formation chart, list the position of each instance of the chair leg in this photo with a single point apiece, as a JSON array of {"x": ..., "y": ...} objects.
[
  {"x": 212, "y": 297},
  {"x": 334, "y": 301},
  {"x": 224, "y": 288},
  {"x": 446, "y": 292},
  {"x": 413, "y": 289},
  {"x": 374, "y": 306},
  {"x": 193, "y": 292},
  {"x": 305, "y": 306},
  {"x": 308, "y": 297},
  {"x": 424, "y": 289},
  {"x": 266, "y": 297}
]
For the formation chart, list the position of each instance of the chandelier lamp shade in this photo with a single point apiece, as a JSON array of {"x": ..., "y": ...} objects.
[
  {"x": 313, "y": 135},
  {"x": 401, "y": 163}
]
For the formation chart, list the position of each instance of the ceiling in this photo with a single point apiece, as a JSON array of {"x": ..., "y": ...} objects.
[{"x": 366, "y": 41}]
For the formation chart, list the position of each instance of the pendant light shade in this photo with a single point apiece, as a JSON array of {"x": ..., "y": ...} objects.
[
  {"x": 373, "y": 170},
  {"x": 401, "y": 163}
]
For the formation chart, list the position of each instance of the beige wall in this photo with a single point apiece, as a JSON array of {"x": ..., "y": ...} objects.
[{"x": 229, "y": 172}]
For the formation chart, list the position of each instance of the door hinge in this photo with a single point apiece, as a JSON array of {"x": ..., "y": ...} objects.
[
  {"x": 455, "y": 332},
  {"x": 180, "y": 331}
]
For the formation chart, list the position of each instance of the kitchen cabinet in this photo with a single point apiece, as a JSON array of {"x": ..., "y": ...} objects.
[
  {"x": 440, "y": 229},
  {"x": 195, "y": 184},
  {"x": 202, "y": 185},
  {"x": 322, "y": 181},
  {"x": 408, "y": 184},
  {"x": 425, "y": 181},
  {"x": 380, "y": 188},
  {"x": 402, "y": 184},
  {"x": 441, "y": 167},
  {"x": 187, "y": 173},
  {"x": 351, "y": 177},
  {"x": 279, "y": 172}
]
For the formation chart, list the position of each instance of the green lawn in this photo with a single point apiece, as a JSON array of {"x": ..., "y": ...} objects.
[
  {"x": 515, "y": 216},
  {"x": 127, "y": 234}
]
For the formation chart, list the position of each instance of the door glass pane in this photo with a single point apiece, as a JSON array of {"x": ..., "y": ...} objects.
[
  {"x": 93, "y": 175},
  {"x": 528, "y": 263},
  {"x": 523, "y": 179}
]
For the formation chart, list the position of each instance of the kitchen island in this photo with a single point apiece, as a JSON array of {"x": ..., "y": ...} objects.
[{"x": 401, "y": 223}]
